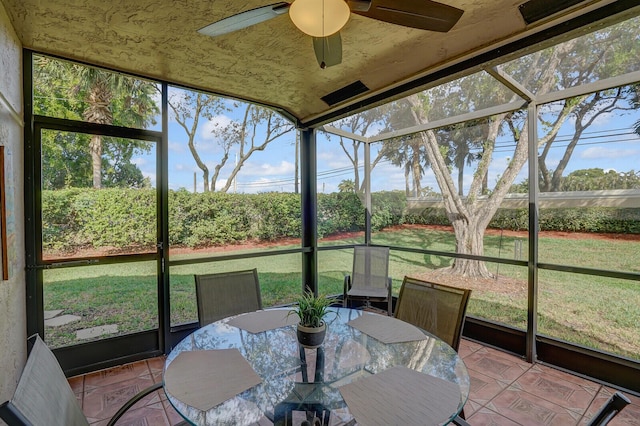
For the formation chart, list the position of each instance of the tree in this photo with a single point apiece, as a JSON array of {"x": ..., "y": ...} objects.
[
  {"x": 347, "y": 185},
  {"x": 597, "y": 179},
  {"x": 258, "y": 128},
  {"x": 590, "y": 180},
  {"x": 408, "y": 153},
  {"x": 360, "y": 124},
  {"x": 636, "y": 104},
  {"x": 405, "y": 151},
  {"x": 255, "y": 128},
  {"x": 569, "y": 64},
  {"x": 188, "y": 108},
  {"x": 584, "y": 110},
  {"x": 67, "y": 90}
]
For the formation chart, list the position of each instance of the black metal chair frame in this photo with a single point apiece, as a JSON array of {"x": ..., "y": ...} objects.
[
  {"x": 348, "y": 282},
  {"x": 614, "y": 405}
]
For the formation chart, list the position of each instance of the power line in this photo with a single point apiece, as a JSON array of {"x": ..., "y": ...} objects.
[{"x": 501, "y": 147}]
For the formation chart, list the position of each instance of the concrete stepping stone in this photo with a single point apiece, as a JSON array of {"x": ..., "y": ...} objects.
[
  {"x": 51, "y": 314},
  {"x": 89, "y": 333},
  {"x": 61, "y": 320}
]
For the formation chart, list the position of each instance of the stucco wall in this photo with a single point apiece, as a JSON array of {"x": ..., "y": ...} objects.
[{"x": 12, "y": 292}]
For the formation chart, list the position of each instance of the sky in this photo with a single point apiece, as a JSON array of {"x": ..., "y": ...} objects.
[{"x": 608, "y": 144}]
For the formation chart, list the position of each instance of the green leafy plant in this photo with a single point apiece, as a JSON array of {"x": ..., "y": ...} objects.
[{"x": 311, "y": 309}]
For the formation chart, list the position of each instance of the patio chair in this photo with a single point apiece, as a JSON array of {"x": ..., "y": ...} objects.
[
  {"x": 228, "y": 293},
  {"x": 43, "y": 396},
  {"x": 370, "y": 279},
  {"x": 614, "y": 405},
  {"x": 436, "y": 308}
]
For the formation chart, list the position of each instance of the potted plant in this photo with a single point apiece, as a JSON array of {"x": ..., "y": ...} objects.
[{"x": 312, "y": 311}]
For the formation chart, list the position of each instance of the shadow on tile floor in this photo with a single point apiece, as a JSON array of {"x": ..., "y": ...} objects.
[{"x": 505, "y": 390}]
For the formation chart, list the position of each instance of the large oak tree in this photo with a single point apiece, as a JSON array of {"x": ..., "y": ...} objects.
[{"x": 575, "y": 62}]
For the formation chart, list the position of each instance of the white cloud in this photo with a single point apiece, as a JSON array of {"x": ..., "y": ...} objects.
[
  {"x": 325, "y": 155},
  {"x": 139, "y": 161},
  {"x": 374, "y": 129},
  {"x": 177, "y": 147},
  {"x": 599, "y": 152},
  {"x": 176, "y": 96},
  {"x": 151, "y": 176},
  {"x": 217, "y": 122},
  {"x": 285, "y": 168}
]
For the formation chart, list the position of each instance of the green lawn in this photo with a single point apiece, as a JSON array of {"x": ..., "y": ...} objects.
[{"x": 597, "y": 312}]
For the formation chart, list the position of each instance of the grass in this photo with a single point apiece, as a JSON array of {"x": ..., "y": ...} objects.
[{"x": 597, "y": 312}]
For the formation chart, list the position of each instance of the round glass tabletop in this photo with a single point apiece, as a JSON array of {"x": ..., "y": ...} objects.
[{"x": 295, "y": 382}]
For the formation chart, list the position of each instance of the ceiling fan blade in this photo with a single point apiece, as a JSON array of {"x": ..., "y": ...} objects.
[
  {"x": 245, "y": 19},
  {"x": 328, "y": 50},
  {"x": 359, "y": 5},
  {"x": 421, "y": 14}
]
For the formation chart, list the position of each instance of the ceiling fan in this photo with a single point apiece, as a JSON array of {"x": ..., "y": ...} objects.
[{"x": 323, "y": 19}]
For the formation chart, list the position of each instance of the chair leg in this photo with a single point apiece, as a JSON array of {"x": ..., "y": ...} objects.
[
  {"x": 133, "y": 401},
  {"x": 611, "y": 409},
  {"x": 459, "y": 421},
  {"x": 390, "y": 298}
]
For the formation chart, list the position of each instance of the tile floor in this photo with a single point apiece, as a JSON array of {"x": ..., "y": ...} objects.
[{"x": 505, "y": 390}]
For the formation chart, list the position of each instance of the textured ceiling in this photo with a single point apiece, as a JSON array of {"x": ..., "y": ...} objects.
[{"x": 271, "y": 62}]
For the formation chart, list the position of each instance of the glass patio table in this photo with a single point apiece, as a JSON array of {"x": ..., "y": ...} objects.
[{"x": 352, "y": 375}]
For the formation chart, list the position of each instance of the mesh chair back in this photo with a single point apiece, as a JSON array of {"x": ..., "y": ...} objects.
[
  {"x": 436, "y": 308},
  {"x": 43, "y": 396},
  {"x": 370, "y": 271},
  {"x": 225, "y": 294}
]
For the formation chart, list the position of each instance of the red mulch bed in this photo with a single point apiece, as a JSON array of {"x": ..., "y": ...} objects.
[{"x": 105, "y": 251}]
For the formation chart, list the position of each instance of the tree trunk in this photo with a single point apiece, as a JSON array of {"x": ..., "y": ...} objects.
[
  {"x": 470, "y": 240},
  {"x": 99, "y": 100},
  {"x": 417, "y": 187},
  {"x": 407, "y": 187},
  {"x": 95, "y": 146}
]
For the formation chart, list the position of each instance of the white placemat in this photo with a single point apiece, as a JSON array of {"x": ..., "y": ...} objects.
[
  {"x": 204, "y": 379},
  {"x": 387, "y": 329},
  {"x": 401, "y": 396},
  {"x": 259, "y": 321}
]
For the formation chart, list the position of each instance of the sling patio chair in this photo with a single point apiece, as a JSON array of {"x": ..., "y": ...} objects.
[
  {"x": 607, "y": 412},
  {"x": 436, "y": 308},
  {"x": 369, "y": 279},
  {"x": 228, "y": 293},
  {"x": 44, "y": 397}
]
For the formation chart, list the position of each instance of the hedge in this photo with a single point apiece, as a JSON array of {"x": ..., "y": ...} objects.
[{"x": 123, "y": 218}]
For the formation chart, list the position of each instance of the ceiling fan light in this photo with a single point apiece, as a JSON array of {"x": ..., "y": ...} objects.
[{"x": 319, "y": 18}]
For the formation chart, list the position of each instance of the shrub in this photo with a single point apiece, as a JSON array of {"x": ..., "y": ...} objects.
[{"x": 124, "y": 218}]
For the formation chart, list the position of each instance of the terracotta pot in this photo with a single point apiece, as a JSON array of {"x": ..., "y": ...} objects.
[{"x": 311, "y": 337}]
